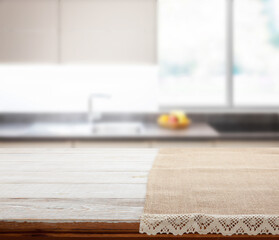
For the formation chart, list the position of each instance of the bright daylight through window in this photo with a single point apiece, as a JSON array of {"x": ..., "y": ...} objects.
[
  {"x": 256, "y": 52},
  {"x": 212, "y": 53}
]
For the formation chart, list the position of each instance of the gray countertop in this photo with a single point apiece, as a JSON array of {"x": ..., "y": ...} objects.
[
  {"x": 84, "y": 131},
  {"x": 38, "y": 130}
]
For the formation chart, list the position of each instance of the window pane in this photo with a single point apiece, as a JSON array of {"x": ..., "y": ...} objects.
[
  {"x": 256, "y": 52},
  {"x": 192, "y": 52}
]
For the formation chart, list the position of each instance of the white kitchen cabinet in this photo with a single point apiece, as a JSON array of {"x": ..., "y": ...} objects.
[
  {"x": 28, "y": 31},
  {"x": 74, "y": 31},
  {"x": 108, "y": 31}
]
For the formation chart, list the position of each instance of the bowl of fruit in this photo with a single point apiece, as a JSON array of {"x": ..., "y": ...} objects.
[{"x": 174, "y": 120}]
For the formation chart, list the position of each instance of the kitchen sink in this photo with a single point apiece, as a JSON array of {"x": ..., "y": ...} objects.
[
  {"x": 83, "y": 129},
  {"x": 118, "y": 128}
]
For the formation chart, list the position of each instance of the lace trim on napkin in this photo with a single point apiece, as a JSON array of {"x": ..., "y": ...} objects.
[{"x": 179, "y": 224}]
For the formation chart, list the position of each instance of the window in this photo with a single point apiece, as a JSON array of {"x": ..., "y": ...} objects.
[
  {"x": 256, "y": 52},
  {"x": 219, "y": 53},
  {"x": 192, "y": 52}
]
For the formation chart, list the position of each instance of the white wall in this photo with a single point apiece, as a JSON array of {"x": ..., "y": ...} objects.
[
  {"x": 60, "y": 88},
  {"x": 78, "y": 31}
]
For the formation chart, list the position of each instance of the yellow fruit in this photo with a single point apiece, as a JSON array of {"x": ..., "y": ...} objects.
[
  {"x": 175, "y": 120},
  {"x": 184, "y": 121},
  {"x": 163, "y": 119},
  {"x": 178, "y": 113},
  {"x": 181, "y": 116}
]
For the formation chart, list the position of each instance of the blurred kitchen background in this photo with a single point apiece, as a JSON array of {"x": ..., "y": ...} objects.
[{"x": 100, "y": 73}]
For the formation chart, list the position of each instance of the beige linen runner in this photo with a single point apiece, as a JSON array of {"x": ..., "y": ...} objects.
[{"x": 224, "y": 191}]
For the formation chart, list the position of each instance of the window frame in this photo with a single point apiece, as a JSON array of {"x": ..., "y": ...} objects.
[{"x": 229, "y": 78}]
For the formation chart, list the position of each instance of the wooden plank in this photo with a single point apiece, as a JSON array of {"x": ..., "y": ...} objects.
[
  {"x": 75, "y": 167},
  {"x": 35, "y": 144},
  {"x": 21, "y": 177},
  {"x": 111, "y": 144},
  {"x": 242, "y": 144},
  {"x": 71, "y": 158},
  {"x": 99, "y": 230},
  {"x": 66, "y": 151},
  {"x": 71, "y": 210},
  {"x": 64, "y": 226},
  {"x": 131, "y": 236},
  {"x": 119, "y": 236},
  {"x": 92, "y": 161},
  {"x": 181, "y": 144},
  {"x": 72, "y": 191}
]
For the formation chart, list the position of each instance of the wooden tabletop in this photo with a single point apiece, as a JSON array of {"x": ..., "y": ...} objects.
[{"x": 81, "y": 193}]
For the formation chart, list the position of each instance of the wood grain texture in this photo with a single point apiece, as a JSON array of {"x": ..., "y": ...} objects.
[
  {"x": 81, "y": 151},
  {"x": 17, "y": 177},
  {"x": 182, "y": 144},
  {"x": 246, "y": 144},
  {"x": 72, "y": 184},
  {"x": 111, "y": 144},
  {"x": 35, "y": 144},
  {"x": 98, "y": 230},
  {"x": 71, "y": 210},
  {"x": 77, "y": 194},
  {"x": 47, "y": 191}
]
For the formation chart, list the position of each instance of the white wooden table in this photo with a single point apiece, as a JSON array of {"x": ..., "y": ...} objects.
[{"x": 75, "y": 193}]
